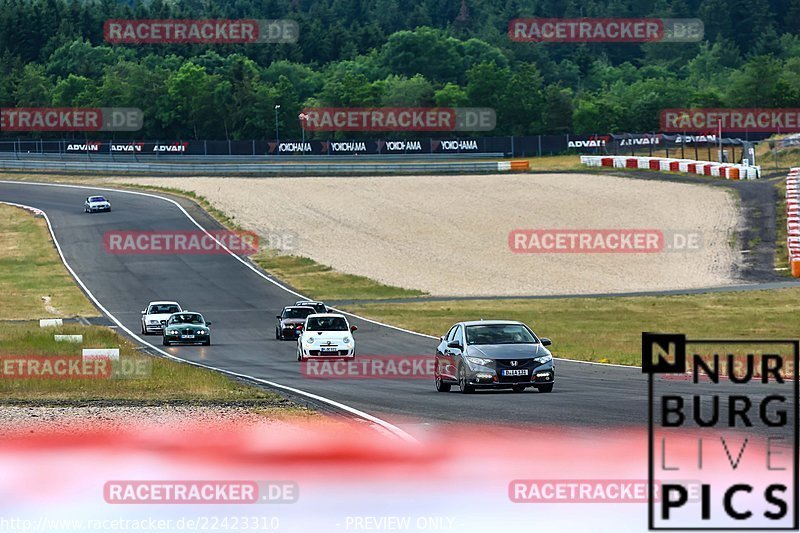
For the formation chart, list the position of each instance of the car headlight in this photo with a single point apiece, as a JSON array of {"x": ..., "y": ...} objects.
[
  {"x": 346, "y": 340},
  {"x": 156, "y": 322},
  {"x": 310, "y": 340},
  {"x": 544, "y": 359},
  {"x": 479, "y": 361},
  {"x": 201, "y": 332},
  {"x": 172, "y": 332}
]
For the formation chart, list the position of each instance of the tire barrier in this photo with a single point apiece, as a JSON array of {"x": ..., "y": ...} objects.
[
  {"x": 793, "y": 220},
  {"x": 689, "y": 166}
]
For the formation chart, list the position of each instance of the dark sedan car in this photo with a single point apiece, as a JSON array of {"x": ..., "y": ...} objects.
[
  {"x": 187, "y": 327},
  {"x": 319, "y": 307},
  {"x": 493, "y": 354},
  {"x": 291, "y": 321}
]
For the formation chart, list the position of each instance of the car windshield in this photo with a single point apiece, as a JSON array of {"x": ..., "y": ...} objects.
[
  {"x": 327, "y": 323},
  {"x": 187, "y": 318},
  {"x": 500, "y": 334},
  {"x": 297, "y": 312},
  {"x": 97, "y": 199},
  {"x": 164, "y": 309},
  {"x": 317, "y": 307}
]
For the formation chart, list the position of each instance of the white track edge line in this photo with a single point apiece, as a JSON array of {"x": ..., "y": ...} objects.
[{"x": 394, "y": 430}]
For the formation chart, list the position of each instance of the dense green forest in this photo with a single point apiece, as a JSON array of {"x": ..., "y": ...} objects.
[{"x": 398, "y": 52}]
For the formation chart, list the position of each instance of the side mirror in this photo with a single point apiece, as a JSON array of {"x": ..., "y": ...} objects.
[
  {"x": 208, "y": 323},
  {"x": 353, "y": 328},
  {"x": 278, "y": 316},
  {"x": 546, "y": 341},
  {"x": 144, "y": 312},
  {"x": 441, "y": 339},
  {"x": 454, "y": 344}
]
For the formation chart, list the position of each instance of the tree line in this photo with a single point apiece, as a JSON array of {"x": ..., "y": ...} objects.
[{"x": 417, "y": 53}]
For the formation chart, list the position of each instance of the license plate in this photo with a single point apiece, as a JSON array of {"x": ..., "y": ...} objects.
[
  {"x": 521, "y": 372},
  {"x": 329, "y": 349},
  {"x": 187, "y": 336}
]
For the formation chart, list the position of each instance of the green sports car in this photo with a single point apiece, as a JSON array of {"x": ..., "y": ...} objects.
[{"x": 187, "y": 327}]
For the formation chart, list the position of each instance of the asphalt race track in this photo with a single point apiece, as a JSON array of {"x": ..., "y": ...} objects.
[{"x": 242, "y": 306}]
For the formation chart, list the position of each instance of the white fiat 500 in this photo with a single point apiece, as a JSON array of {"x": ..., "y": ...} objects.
[{"x": 326, "y": 335}]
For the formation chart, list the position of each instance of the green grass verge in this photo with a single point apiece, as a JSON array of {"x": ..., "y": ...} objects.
[
  {"x": 160, "y": 379},
  {"x": 31, "y": 268},
  {"x": 772, "y": 161},
  {"x": 609, "y": 329},
  {"x": 323, "y": 283},
  {"x": 33, "y": 280},
  {"x": 554, "y": 162}
]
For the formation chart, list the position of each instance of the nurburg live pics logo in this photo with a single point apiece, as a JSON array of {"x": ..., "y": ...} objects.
[{"x": 723, "y": 412}]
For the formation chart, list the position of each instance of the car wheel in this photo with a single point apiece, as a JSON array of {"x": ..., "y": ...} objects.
[
  {"x": 144, "y": 332},
  {"x": 207, "y": 343},
  {"x": 545, "y": 388},
  {"x": 462, "y": 381},
  {"x": 164, "y": 341},
  {"x": 277, "y": 335},
  {"x": 441, "y": 386},
  {"x": 518, "y": 388}
]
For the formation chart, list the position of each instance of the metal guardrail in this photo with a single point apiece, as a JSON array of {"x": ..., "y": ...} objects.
[
  {"x": 125, "y": 158},
  {"x": 251, "y": 169}
]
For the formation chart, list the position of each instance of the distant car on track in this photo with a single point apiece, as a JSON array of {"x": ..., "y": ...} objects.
[
  {"x": 291, "y": 320},
  {"x": 156, "y": 314},
  {"x": 493, "y": 354},
  {"x": 187, "y": 327},
  {"x": 94, "y": 204},
  {"x": 326, "y": 335},
  {"x": 319, "y": 307}
]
